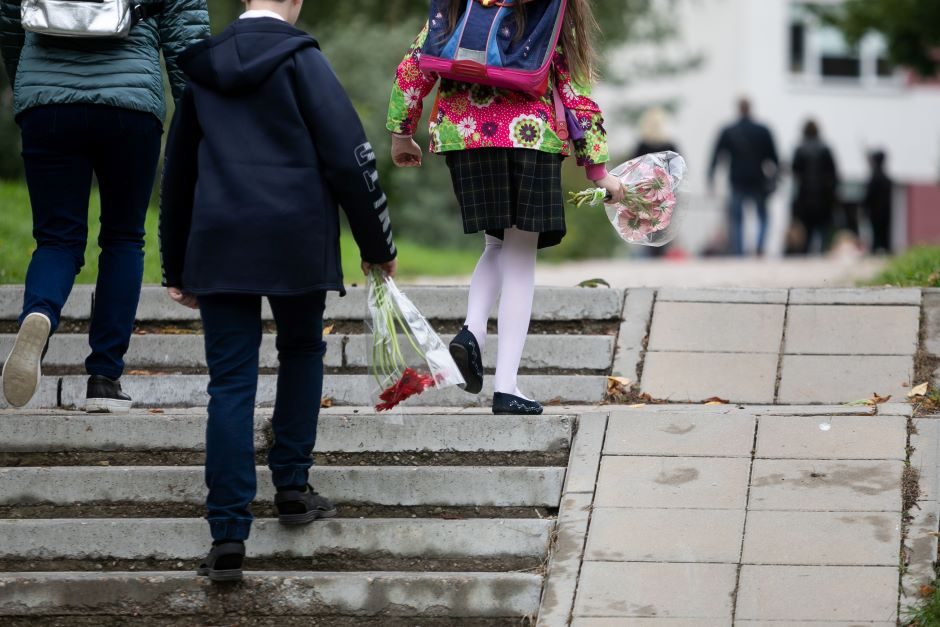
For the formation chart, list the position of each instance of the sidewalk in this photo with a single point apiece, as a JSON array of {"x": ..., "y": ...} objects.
[{"x": 723, "y": 515}]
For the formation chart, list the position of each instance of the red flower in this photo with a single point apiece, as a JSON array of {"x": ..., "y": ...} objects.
[{"x": 411, "y": 383}]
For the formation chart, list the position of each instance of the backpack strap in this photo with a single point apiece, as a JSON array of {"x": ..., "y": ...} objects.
[
  {"x": 561, "y": 119},
  {"x": 145, "y": 10}
]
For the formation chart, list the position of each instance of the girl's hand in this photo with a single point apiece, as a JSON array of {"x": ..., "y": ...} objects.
[
  {"x": 405, "y": 152},
  {"x": 613, "y": 186},
  {"x": 389, "y": 267},
  {"x": 186, "y": 300}
]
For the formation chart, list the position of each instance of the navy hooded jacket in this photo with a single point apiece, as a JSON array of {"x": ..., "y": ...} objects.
[{"x": 263, "y": 147}]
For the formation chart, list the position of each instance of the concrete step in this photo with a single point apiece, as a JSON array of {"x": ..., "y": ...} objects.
[
  {"x": 436, "y": 303},
  {"x": 185, "y": 539},
  {"x": 140, "y": 430},
  {"x": 171, "y": 594},
  {"x": 168, "y": 351},
  {"x": 451, "y": 486}
]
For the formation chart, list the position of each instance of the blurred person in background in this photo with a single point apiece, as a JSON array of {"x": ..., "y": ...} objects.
[
  {"x": 753, "y": 164},
  {"x": 654, "y": 137},
  {"x": 816, "y": 179},
  {"x": 877, "y": 203}
]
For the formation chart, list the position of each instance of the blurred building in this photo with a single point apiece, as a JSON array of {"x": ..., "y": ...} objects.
[{"x": 792, "y": 68}]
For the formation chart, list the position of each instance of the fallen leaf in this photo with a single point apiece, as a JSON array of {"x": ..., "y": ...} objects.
[
  {"x": 156, "y": 411},
  {"x": 326, "y": 402},
  {"x": 141, "y": 373},
  {"x": 594, "y": 283},
  {"x": 878, "y": 400},
  {"x": 918, "y": 390},
  {"x": 139, "y": 332},
  {"x": 935, "y": 534},
  {"x": 926, "y": 590},
  {"x": 637, "y": 405},
  {"x": 714, "y": 400},
  {"x": 617, "y": 384},
  {"x": 328, "y": 329}
]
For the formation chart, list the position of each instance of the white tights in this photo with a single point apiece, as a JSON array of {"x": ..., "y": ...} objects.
[{"x": 507, "y": 268}]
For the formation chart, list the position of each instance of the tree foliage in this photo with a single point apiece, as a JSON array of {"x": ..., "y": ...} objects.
[{"x": 912, "y": 28}]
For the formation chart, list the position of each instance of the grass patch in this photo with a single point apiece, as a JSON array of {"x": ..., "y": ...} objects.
[
  {"x": 927, "y": 614},
  {"x": 918, "y": 267},
  {"x": 17, "y": 245}
]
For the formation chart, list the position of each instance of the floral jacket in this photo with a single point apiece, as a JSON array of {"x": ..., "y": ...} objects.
[{"x": 468, "y": 116}]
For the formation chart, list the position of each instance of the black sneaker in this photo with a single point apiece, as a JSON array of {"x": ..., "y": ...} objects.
[
  {"x": 105, "y": 395},
  {"x": 224, "y": 562},
  {"x": 466, "y": 353},
  {"x": 511, "y": 404},
  {"x": 22, "y": 369},
  {"x": 299, "y": 508}
]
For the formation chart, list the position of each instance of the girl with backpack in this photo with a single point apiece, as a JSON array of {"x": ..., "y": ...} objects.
[{"x": 504, "y": 142}]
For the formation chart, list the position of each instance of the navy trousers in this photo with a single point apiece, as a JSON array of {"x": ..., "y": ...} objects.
[
  {"x": 63, "y": 147},
  {"x": 738, "y": 197},
  {"x": 232, "y": 327}
]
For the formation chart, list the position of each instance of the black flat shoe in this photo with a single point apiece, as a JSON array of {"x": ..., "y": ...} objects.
[
  {"x": 511, "y": 404},
  {"x": 466, "y": 352},
  {"x": 299, "y": 508},
  {"x": 224, "y": 562}
]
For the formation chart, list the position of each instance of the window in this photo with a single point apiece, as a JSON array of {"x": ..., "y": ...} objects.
[{"x": 819, "y": 53}]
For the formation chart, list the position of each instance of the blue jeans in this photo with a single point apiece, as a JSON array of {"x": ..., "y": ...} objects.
[
  {"x": 738, "y": 197},
  {"x": 63, "y": 146},
  {"x": 232, "y": 327}
]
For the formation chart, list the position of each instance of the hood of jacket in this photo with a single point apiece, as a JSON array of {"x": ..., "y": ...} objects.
[{"x": 244, "y": 55}]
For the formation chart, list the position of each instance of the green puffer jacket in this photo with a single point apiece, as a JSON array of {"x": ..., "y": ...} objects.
[{"x": 118, "y": 72}]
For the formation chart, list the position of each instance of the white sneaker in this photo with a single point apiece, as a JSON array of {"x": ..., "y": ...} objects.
[{"x": 22, "y": 369}]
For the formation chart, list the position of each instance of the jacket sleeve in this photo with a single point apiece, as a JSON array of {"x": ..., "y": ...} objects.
[
  {"x": 178, "y": 188},
  {"x": 410, "y": 89},
  {"x": 592, "y": 150},
  {"x": 12, "y": 36},
  {"x": 347, "y": 159},
  {"x": 180, "y": 24}
]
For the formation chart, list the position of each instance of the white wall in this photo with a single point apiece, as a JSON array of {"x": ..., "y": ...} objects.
[{"x": 745, "y": 43}]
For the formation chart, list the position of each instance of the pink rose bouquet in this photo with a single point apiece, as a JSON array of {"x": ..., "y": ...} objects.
[{"x": 646, "y": 215}]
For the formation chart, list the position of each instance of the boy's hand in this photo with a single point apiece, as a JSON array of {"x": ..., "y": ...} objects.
[
  {"x": 186, "y": 300},
  {"x": 389, "y": 267},
  {"x": 613, "y": 186},
  {"x": 405, "y": 152}
]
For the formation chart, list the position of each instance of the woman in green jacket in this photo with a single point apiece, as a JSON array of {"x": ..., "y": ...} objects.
[{"x": 90, "y": 107}]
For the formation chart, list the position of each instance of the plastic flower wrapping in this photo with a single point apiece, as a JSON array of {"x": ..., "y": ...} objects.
[
  {"x": 647, "y": 214},
  {"x": 407, "y": 357}
]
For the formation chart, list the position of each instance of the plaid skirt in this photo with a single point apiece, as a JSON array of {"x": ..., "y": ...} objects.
[{"x": 499, "y": 188}]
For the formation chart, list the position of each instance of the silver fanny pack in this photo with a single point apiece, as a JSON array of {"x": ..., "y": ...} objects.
[{"x": 84, "y": 18}]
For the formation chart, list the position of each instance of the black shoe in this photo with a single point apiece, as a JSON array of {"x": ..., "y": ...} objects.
[
  {"x": 510, "y": 404},
  {"x": 224, "y": 562},
  {"x": 299, "y": 508},
  {"x": 105, "y": 395},
  {"x": 466, "y": 352}
]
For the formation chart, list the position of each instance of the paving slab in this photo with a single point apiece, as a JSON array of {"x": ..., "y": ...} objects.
[
  {"x": 672, "y": 483},
  {"x": 566, "y": 352},
  {"x": 822, "y": 538},
  {"x": 823, "y": 485},
  {"x": 684, "y": 377},
  {"x": 77, "y": 307},
  {"x": 925, "y": 457},
  {"x": 723, "y": 295},
  {"x": 504, "y": 486},
  {"x": 843, "y": 378},
  {"x": 267, "y": 594},
  {"x": 899, "y": 408},
  {"x": 583, "y": 621},
  {"x": 932, "y": 322},
  {"x": 852, "y": 330},
  {"x": 813, "y": 623},
  {"x": 679, "y": 435},
  {"x": 661, "y": 590},
  {"x": 920, "y": 550},
  {"x": 637, "y": 310},
  {"x": 46, "y": 396},
  {"x": 716, "y": 327},
  {"x": 665, "y": 535},
  {"x": 856, "y": 296},
  {"x": 585, "y": 457},
  {"x": 92, "y": 539},
  {"x": 832, "y": 437},
  {"x": 806, "y": 593},
  {"x": 561, "y": 582},
  {"x": 140, "y": 430}
]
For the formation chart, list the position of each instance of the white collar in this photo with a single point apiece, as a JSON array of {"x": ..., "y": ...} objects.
[{"x": 260, "y": 13}]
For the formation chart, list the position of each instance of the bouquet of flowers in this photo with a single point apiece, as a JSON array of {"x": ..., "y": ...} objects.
[
  {"x": 646, "y": 215},
  {"x": 407, "y": 356}
]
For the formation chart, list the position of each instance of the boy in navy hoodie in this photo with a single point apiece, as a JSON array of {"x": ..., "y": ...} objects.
[{"x": 263, "y": 147}]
